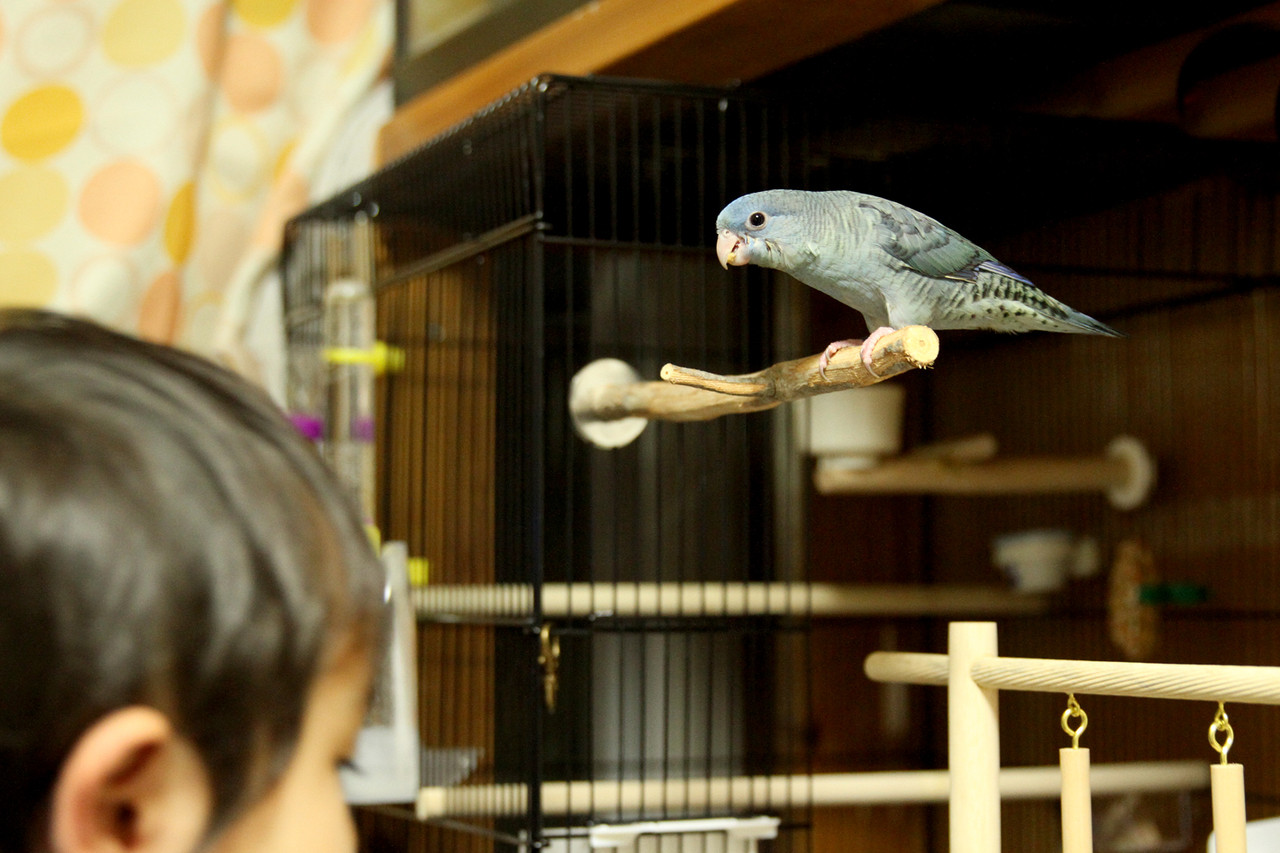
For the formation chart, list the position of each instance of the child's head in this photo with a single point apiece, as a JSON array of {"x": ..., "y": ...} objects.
[{"x": 180, "y": 577}]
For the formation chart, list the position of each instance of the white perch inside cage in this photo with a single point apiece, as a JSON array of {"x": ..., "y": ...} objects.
[
  {"x": 1125, "y": 472},
  {"x": 766, "y": 793},
  {"x": 729, "y": 599}
]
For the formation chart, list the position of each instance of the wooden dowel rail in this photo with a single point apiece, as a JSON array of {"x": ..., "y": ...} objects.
[
  {"x": 730, "y": 599},
  {"x": 818, "y": 790},
  {"x": 907, "y": 668},
  {"x": 610, "y": 404},
  {"x": 1259, "y": 685}
]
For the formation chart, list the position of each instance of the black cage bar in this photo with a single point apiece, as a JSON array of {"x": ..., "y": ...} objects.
[
  {"x": 574, "y": 221},
  {"x": 570, "y": 222}
]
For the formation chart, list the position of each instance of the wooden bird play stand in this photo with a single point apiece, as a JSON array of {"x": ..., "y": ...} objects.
[
  {"x": 974, "y": 674},
  {"x": 611, "y": 404}
]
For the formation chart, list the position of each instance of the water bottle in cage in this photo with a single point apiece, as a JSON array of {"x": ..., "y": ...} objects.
[{"x": 349, "y": 343}]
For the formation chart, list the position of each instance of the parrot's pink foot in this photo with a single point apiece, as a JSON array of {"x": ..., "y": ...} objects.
[
  {"x": 866, "y": 347},
  {"x": 869, "y": 344},
  {"x": 833, "y": 348}
]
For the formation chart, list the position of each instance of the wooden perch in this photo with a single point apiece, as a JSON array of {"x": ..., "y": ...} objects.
[
  {"x": 966, "y": 448},
  {"x": 611, "y": 405},
  {"x": 898, "y": 352},
  {"x": 1125, "y": 472}
]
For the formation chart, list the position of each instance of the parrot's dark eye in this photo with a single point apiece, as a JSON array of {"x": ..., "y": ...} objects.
[{"x": 757, "y": 220}]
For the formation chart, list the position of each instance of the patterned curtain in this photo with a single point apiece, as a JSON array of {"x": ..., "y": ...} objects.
[{"x": 150, "y": 151}]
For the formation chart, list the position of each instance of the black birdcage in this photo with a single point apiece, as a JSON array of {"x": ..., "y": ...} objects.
[
  {"x": 581, "y": 661},
  {"x": 570, "y": 222}
]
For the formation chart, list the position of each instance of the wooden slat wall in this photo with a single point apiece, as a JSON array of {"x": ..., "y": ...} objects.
[
  {"x": 438, "y": 496},
  {"x": 1191, "y": 277},
  {"x": 1194, "y": 380}
]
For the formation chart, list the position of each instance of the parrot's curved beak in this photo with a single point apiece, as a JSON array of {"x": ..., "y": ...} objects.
[{"x": 727, "y": 249}]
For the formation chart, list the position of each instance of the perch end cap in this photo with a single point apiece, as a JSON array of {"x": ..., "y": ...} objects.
[
  {"x": 599, "y": 377},
  {"x": 1134, "y": 492},
  {"x": 918, "y": 343}
]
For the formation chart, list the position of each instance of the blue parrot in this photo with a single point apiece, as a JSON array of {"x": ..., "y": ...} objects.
[{"x": 895, "y": 265}]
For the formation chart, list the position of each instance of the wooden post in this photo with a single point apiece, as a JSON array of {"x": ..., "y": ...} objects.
[
  {"x": 1227, "y": 784},
  {"x": 1077, "y": 803},
  {"x": 973, "y": 742}
]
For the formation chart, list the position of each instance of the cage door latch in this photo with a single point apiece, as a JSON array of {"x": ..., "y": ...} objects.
[{"x": 549, "y": 660}]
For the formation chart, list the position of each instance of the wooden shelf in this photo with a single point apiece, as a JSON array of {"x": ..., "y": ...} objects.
[{"x": 713, "y": 42}]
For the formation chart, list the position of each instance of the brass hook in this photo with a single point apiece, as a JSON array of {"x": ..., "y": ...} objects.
[
  {"x": 1221, "y": 723},
  {"x": 1074, "y": 710},
  {"x": 549, "y": 660}
]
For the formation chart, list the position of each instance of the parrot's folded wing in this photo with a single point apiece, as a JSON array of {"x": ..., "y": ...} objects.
[
  {"x": 929, "y": 247},
  {"x": 1000, "y": 269}
]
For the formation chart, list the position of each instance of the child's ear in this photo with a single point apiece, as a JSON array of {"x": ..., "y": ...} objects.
[{"x": 131, "y": 784}]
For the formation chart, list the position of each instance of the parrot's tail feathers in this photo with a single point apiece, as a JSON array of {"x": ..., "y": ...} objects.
[
  {"x": 1032, "y": 312},
  {"x": 1085, "y": 324}
]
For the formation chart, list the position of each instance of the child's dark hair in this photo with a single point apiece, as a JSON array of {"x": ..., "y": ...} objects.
[{"x": 166, "y": 539}]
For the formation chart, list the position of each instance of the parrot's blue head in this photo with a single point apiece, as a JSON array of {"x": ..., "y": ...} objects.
[{"x": 757, "y": 228}]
